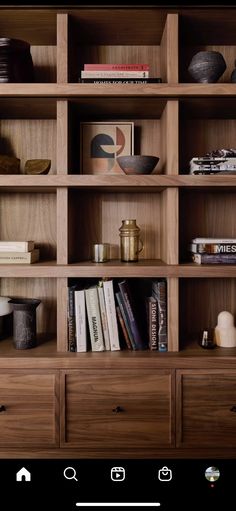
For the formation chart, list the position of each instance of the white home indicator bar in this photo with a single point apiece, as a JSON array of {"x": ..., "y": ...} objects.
[{"x": 118, "y": 504}]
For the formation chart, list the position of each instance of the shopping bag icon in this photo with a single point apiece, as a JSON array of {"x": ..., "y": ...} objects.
[{"x": 165, "y": 474}]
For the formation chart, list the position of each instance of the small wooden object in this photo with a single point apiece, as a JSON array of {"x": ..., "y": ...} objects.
[
  {"x": 9, "y": 164},
  {"x": 37, "y": 166}
]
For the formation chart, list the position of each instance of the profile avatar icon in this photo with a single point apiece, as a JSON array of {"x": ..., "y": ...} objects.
[{"x": 212, "y": 474}]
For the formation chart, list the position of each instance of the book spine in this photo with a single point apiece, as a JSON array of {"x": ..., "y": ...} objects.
[
  {"x": 19, "y": 257},
  {"x": 123, "y": 328},
  {"x": 152, "y": 323},
  {"x": 16, "y": 246},
  {"x": 213, "y": 248},
  {"x": 214, "y": 240},
  {"x": 160, "y": 293},
  {"x": 94, "y": 319},
  {"x": 214, "y": 258},
  {"x": 116, "y": 67},
  {"x": 114, "y": 74},
  {"x": 125, "y": 292},
  {"x": 120, "y": 80},
  {"x": 104, "y": 317},
  {"x": 80, "y": 321},
  {"x": 71, "y": 319},
  {"x": 125, "y": 318},
  {"x": 111, "y": 315}
]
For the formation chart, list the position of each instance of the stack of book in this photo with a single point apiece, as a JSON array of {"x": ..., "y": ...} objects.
[
  {"x": 117, "y": 73},
  {"x": 105, "y": 317},
  {"x": 213, "y": 250},
  {"x": 18, "y": 252}
]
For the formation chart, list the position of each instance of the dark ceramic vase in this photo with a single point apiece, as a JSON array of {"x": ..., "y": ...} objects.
[
  {"x": 24, "y": 322},
  {"x": 207, "y": 66}
]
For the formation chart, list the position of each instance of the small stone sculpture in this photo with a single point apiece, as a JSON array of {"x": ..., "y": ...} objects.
[
  {"x": 37, "y": 166},
  {"x": 225, "y": 331},
  {"x": 207, "y": 66},
  {"x": 9, "y": 164}
]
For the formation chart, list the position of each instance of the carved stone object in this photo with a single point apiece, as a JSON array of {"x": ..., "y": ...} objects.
[
  {"x": 24, "y": 322},
  {"x": 9, "y": 164},
  {"x": 225, "y": 331},
  {"x": 37, "y": 166},
  {"x": 207, "y": 66}
]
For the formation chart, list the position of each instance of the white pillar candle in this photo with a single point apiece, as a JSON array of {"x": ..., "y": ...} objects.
[{"x": 5, "y": 306}]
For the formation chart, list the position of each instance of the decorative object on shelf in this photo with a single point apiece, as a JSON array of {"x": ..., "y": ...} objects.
[
  {"x": 101, "y": 252},
  {"x": 5, "y": 310},
  {"x": 101, "y": 143},
  {"x": 9, "y": 164},
  {"x": 37, "y": 166},
  {"x": 138, "y": 164},
  {"x": 16, "y": 64},
  {"x": 207, "y": 341},
  {"x": 24, "y": 322},
  {"x": 225, "y": 331},
  {"x": 207, "y": 66},
  {"x": 130, "y": 241}
]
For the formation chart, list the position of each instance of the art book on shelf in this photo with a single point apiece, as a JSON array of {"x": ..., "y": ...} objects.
[
  {"x": 159, "y": 292},
  {"x": 111, "y": 314},
  {"x": 125, "y": 317},
  {"x": 103, "y": 313},
  {"x": 94, "y": 319},
  {"x": 130, "y": 309},
  {"x": 115, "y": 74},
  {"x": 71, "y": 318},
  {"x": 116, "y": 67},
  {"x": 212, "y": 248},
  {"x": 80, "y": 321},
  {"x": 120, "y": 80},
  {"x": 152, "y": 313},
  {"x": 16, "y": 246},
  {"x": 214, "y": 258},
  {"x": 19, "y": 257},
  {"x": 123, "y": 328}
]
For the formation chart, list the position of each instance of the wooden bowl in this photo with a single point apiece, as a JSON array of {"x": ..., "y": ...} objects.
[{"x": 137, "y": 164}]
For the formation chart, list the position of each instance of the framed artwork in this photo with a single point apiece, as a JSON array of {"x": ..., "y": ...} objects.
[{"x": 101, "y": 143}]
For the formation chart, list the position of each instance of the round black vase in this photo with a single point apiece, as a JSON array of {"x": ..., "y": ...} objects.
[
  {"x": 24, "y": 322},
  {"x": 207, "y": 66}
]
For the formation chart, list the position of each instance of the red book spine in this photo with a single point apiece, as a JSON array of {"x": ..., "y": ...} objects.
[{"x": 116, "y": 67}]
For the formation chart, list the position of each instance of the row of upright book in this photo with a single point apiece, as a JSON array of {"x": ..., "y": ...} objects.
[
  {"x": 112, "y": 315},
  {"x": 117, "y": 73}
]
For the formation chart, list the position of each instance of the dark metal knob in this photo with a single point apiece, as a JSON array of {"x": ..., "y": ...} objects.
[
  {"x": 118, "y": 409},
  {"x": 233, "y": 409},
  {"x": 2, "y": 408}
]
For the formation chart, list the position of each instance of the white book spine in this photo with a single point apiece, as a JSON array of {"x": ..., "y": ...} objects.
[
  {"x": 213, "y": 240},
  {"x": 104, "y": 318},
  {"x": 111, "y": 315},
  {"x": 80, "y": 321},
  {"x": 16, "y": 246},
  {"x": 94, "y": 319},
  {"x": 115, "y": 74}
]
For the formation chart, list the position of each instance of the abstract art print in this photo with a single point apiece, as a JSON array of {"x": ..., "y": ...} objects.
[{"x": 101, "y": 143}]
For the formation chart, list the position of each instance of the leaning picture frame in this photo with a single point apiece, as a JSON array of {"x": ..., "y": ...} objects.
[{"x": 101, "y": 143}]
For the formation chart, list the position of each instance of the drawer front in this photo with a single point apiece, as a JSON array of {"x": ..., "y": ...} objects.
[
  {"x": 206, "y": 409},
  {"x": 113, "y": 410},
  {"x": 29, "y": 409}
]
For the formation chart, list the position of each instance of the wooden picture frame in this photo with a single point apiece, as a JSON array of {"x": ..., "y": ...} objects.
[{"x": 101, "y": 143}]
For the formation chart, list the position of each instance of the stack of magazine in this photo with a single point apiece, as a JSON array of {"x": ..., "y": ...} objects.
[
  {"x": 109, "y": 316},
  {"x": 117, "y": 73},
  {"x": 213, "y": 250},
  {"x": 18, "y": 252}
]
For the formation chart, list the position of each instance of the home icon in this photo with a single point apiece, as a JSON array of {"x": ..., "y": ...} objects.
[{"x": 23, "y": 475}]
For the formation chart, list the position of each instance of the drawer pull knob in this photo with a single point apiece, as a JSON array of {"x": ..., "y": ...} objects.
[
  {"x": 2, "y": 408},
  {"x": 118, "y": 409},
  {"x": 233, "y": 409}
]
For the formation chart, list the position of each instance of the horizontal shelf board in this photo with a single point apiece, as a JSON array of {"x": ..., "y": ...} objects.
[
  {"x": 116, "y": 268},
  {"x": 90, "y": 89},
  {"x": 41, "y": 269},
  {"x": 205, "y": 270}
]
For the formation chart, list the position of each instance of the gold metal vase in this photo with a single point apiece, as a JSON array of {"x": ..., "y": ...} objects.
[{"x": 130, "y": 242}]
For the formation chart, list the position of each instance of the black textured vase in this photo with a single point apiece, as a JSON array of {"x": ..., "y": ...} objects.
[
  {"x": 207, "y": 66},
  {"x": 24, "y": 322}
]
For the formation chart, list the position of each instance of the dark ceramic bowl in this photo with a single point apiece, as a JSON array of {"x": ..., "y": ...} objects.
[{"x": 137, "y": 164}]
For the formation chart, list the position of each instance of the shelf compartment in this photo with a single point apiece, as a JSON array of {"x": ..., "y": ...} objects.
[
  {"x": 205, "y": 214},
  {"x": 200, "y": 301},
  {"x": 103, "y": 36},
  {"x": 38, "y": 29},
  {"x": 26, "y": 216},
  {"x": 207, "y": 30}
]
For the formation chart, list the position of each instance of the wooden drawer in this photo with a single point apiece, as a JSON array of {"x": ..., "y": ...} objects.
[
  {"x": 31, "y": 409},
  {"x": 127, "y": 409},
  {"x": 206, "y": 408}
]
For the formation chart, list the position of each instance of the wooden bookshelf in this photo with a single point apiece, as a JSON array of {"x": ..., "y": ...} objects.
[{"x": 66, "y": 211}]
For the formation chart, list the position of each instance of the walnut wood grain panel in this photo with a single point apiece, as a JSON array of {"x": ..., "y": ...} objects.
[
  {"x": 62, "y": 226},
  {"x": 205, "y": 414},
  {"x": 31, "y": 409},
  {"x": 42, "y": 288},
  {"x": 62, "y": 324},
  {"x": 62, "y": 48},
  {"x": 29, "y": 139},
  {"x": 45, "y": 63},
  {"x": 148, "y": 140},
  {"x": 91, "y": 397},
  {"x": 96, "y": 217},
  {"x": 36, "y": 27},
  {"x": 169, "y": 50},
  {"x": 170, "y": 138},
  {"x": 25, "y": 216},
  {"x": 62, "y": 137},
  {"x": 169, "y": 225}
]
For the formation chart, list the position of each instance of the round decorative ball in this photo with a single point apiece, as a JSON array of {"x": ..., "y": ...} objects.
[{"x": 207, "y": 66}]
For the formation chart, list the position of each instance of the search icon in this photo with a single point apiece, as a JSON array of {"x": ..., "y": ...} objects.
[{"x": 70, "y": 473}]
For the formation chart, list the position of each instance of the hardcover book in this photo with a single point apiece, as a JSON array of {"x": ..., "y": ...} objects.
[
  {"x": 94, "y": 319},
  {"x": 116, "y": 67},
  {"x": 16, "y": 246},
  {"x": 80, "y": 321},
  {"x": 71, "y": 318},
  {"x": 123, "y": 328},
  {"x": 19, "y": 257},
  {"x": 130, "y": 309},
  {"x": 213, "y": 248},
  {"x": 103, "y": 316},
  {"x": 111, "y": 315},
  {"x": 159, "y": 291},
  {"x": 114, "y": 74},
  {"x": 120, "y": 80},
  {"x": 214, "y": 258},
  {"x": 152, "y": 322}
]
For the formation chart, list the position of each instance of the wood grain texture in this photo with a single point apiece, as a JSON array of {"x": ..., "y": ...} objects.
[
  {"x": 91, "y": 398},
  {"x": 62, "y": 48},
  {"x": 228, "y": 53},
  {"x": 169, "y": 225},
  {"x": 36, "y": 27},
  {"x": 169, "y": 50},
  {"x": 204, "y": 414},
  {"x": 62, "y": 226},
  {"x": 62, "y": 137},
  {"x": 45, "y": 63},
  {"x": 31, "y": 402},
  {"x": 170, "y": 137},
  {"x": 29, "y": 139},
  {"x": 62, "y": 324}
]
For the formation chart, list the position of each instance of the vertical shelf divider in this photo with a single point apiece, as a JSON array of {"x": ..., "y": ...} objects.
[
  {"x": 170, "y": 138},
  {"x": 169, "y": 50},
  {"x": 62, "y": 48}
]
